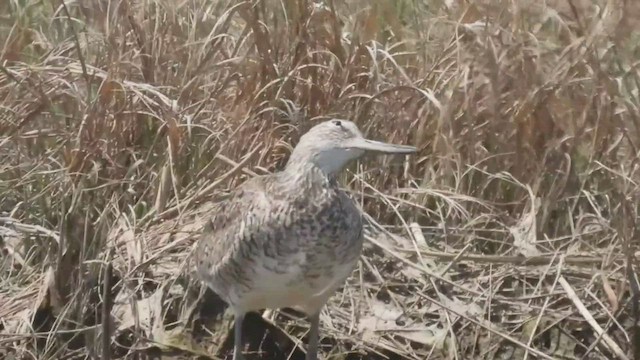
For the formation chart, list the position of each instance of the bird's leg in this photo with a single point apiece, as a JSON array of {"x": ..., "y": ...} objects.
[
  {"x": 237, "y": 337},
  {"x": 312, "y": 345}
]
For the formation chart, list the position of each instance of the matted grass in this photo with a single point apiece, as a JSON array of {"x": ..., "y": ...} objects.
[{"x": 511, "y": 235}]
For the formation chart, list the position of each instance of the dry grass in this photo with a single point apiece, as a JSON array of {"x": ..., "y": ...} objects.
[{"x": 511, "y": 235}]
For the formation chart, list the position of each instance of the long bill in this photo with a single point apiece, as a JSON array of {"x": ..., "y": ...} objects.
[{"x": 378, "y": 146}]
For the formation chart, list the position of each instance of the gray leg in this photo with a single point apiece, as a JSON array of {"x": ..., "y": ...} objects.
[
  {"x": 237, "y": 337},
  {"x": 312, "y": 346}
]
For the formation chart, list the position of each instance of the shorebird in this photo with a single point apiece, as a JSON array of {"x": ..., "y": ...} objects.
[{"x": 289, "y": 239}]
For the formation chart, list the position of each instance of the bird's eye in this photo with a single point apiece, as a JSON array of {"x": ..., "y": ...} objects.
[{"x": 337, "y": 122}]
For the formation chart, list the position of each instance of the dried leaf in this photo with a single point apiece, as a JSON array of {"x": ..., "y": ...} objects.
[
  {"x": 611, "y": 295},
  {"x": 123, "y": 234},
  {"x": 524, "y": 232},
  {"x": 382, "y": 318},
  {"x": 562, "y": 345},
  {"x": 432, "y": 336},
  {"x": 471, "y": 309},
  {"x": 164, "y": 188},
  {"x": 144, "y": 314}
]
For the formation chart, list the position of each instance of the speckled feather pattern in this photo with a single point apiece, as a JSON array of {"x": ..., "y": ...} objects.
[
  {"x": 284, "y": 240},
  {"x": 289, "y": 239}
]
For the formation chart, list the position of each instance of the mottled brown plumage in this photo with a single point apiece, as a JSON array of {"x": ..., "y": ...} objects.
[{"x": 289, "y": 239}]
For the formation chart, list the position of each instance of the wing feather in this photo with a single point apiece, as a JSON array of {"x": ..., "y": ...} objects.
[{"x": 223, "y": 246}]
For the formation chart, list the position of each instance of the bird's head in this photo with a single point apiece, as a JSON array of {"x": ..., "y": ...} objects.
[{"x": 332, "y": 144}]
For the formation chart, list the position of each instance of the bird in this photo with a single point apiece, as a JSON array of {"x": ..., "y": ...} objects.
[{"x": 291, "y": 238}]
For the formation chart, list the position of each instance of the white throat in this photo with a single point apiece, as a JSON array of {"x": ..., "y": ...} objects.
[{"x": 332, "y": 161}]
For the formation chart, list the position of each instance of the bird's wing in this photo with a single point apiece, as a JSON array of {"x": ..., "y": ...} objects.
[{"x": 235, "y": 222}]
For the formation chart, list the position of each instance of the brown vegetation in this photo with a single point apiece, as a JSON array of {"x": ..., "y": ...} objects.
[{"x": 511, "y": 235}]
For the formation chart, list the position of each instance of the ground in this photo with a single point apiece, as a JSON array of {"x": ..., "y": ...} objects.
[{"x": 511, "y": 234}]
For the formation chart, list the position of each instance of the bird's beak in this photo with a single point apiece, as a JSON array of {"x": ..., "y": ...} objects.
[{"x": 377, "y": 146}]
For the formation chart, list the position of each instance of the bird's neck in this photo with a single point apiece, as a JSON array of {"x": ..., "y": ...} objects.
[{"x": 308, "y": 176}]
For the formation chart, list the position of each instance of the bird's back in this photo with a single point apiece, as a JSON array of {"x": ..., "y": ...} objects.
[{"x": 280, "y": 241}]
